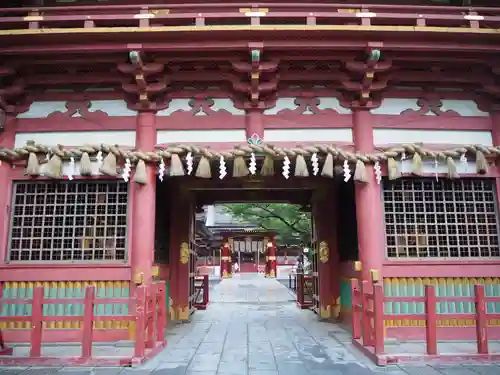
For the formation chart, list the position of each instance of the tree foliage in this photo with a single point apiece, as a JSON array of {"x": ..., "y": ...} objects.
[{"x": 291, "y": 224}]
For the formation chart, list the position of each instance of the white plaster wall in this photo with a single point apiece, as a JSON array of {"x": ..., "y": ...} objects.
[
  {"x": 458, "y": 137},
  {"x": 429, "y": 166},
  {"x": 308, "y": 135},
  {"x": 324, "y": 103},
  {"x": 464, "y": 108},
  {"x": 110, "y": 107},
  {"x": 43, "y": 109},
  {"x": 182, "y": 105},
  {"x": 199, "y": 136},
  {"x": 394, "y": 106},
  {"x": 122, "y": 138}
]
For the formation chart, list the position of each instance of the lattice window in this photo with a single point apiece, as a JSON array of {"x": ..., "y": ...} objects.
[
  {"x": 68, "y": 221},
  {"x": 425, "y": 218}
]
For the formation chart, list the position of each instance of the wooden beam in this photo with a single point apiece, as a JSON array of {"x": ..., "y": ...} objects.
[
  {"x": 275, "y": 45},
  {"x": 207, "y": 197}
]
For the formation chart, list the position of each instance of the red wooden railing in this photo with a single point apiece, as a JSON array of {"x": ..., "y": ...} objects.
[
  {"x": 368, "y": 315},
  {"x": 201, "y": 286},
  {"x": 240, "y": 14},
  {"x": 149, "y": 317},
  {"x": 304, "y": 291}
]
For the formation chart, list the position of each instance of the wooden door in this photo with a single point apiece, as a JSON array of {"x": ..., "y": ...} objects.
[
  {"x": 314, "y": 265},
  {"x": 192, "y": 256}
]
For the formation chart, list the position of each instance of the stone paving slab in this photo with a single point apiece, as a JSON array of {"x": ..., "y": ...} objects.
[{"x": 252, "y": 327}]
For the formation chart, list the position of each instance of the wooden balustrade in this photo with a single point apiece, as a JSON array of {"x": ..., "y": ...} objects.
[
  {"x": 241, "y": 14},
  {"x": 149, "y": 317},
  {"x": 304, "y": 291},
  {"x": 202, "y": 288},
  {"x": 368, "y": 315}
]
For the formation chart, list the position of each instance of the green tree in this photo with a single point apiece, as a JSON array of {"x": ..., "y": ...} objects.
[{"x": 291, "y": 224}]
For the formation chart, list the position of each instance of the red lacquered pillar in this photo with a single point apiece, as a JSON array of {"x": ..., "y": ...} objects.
[
  {"x": 143, "y": 205},
  {"x": 174, "y": 258},
  {"x": 225, "y": 271},
  {"x": 271, "y": 258},
  {"x": 369, "y": 208},
  {"x": 254, "y": 123},
  {"x": 495, "y": 135},
  {"x": 7, "y": 140},
  {"x": 180, "y": 218},
  {"x": 328, "y": 262}
]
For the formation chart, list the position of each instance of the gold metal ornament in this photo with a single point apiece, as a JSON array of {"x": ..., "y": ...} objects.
[
  {"x": 184, "y": 253},
  {"x": 139, "y": 278},
  {"x": 155, "y": 270},
  {"x": 325, "y": 312},
  {"x": 183, "y": 313},
  {"x": 323, "y": 252}
]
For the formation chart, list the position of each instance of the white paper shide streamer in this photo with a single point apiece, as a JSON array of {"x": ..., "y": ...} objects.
[
  {"x": 99, "y": 159},
  {"x": 126, "y": 170},
  {"x": 463, "y": 161},
  {"x": 378, "y": 172},
  {"x": 436, "y": 169},
  {"x": 253, "y": 164},
  {"x": 315, "y": 164},
  {"x": 222, "y": 168},
  {"x": 347, "y": 171},
  {"x": 161, "y": 170},
  {"x": 189, "y": 163},
  {"x": 71, "y": 171},
  {"x": 286, "y": 168}
]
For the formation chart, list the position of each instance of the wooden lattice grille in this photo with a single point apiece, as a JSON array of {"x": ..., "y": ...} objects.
[
  {"x": 68, "y": 221},
  {"x": 425, "y": 218}
]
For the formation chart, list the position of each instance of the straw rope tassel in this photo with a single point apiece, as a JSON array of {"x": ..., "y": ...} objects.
[
  {"x": 204, "y": 169},
  {"x": 267, "y": 166},
  {"x": 416, "y": 165},
  {"x": 360, "y": 174},
  {"x": 452, "y": 168},
  {"x": 85, "y": 165},
  {"x": 141, "y": 174},
  {"x": 393, "y": 170},
  {"x": 33, "y": 167},
  {"x": 53, "y": 168},
  {"x": 327, "y": 170},
  {"x": 301, "y": 166},
  {"x": 176, "y": 167},
  {"x": 108, "y": 166},
  {"x": 240, "y": 168},
  {"x": 481, "y": 163}
]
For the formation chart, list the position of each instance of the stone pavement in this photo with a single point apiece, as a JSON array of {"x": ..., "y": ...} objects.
[{"x": 252, "y": 327}]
